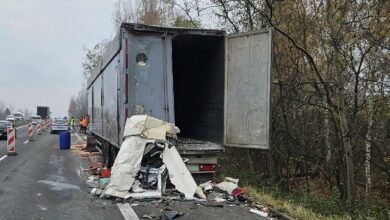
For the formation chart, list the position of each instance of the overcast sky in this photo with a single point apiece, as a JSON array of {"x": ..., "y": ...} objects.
[{"x": 41, "y": 49}]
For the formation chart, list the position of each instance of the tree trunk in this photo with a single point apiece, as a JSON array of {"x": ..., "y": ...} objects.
[
  {"x": 348, "y": 154},
  {"x": 349, "y": 181},
  {"x": 369, "y": 139},
  {"x": 327, "y": 140},
  {"x": 250, "y": 160},
  {"x": 328, "y": 146}
]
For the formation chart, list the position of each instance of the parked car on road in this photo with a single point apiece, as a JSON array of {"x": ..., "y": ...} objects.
[
  {"x": 19, "y": 116},
  {"x": 35, "y": 119},
  {"x": 4, "y": 125},
  {"x": 59, "y": 124},
  {"x": 10, "y": 118}
]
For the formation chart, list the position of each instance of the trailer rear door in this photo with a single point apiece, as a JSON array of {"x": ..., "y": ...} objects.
[{"x": 248, "y": 63}]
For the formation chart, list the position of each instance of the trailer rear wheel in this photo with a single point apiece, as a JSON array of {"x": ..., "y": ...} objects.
[
  {"x": 105, "y": 153},
  {"x": 112, "y": 153}
]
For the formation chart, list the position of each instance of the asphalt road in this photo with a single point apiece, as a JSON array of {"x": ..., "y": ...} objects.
[{"x": 43, "y": 182}]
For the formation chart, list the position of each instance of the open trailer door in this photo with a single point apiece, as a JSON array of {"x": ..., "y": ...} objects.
[{"x": 248, "y": 65}]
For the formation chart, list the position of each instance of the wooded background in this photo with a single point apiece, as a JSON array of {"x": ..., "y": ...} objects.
[{"x": 330, "y": 88}]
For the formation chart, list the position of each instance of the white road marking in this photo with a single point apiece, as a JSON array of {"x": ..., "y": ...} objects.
[
  {"x": 59, "y": 186},
  {"x": 127, "y": 212},
  {"x": 43, "y": 208},
  {"x": 3, "y": 157}
]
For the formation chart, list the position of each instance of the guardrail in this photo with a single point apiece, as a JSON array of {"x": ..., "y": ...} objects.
[{"x": 19, "y": 123}]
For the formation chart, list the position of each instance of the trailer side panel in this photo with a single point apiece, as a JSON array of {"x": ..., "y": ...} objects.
[
  {"x": 110, "y": 102},
  {"x": 96, "y": 122}
]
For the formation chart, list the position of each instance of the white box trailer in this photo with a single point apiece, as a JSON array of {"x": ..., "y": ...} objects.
[{"x": 215, "y": 87}]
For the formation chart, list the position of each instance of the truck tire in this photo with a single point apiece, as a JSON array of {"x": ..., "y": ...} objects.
[
  {"x": 105, "y": 153},
  {"x": 112, "y": 155}
]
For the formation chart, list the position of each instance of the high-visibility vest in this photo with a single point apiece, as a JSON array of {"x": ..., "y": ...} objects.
[{"x": 84, "y": 122}]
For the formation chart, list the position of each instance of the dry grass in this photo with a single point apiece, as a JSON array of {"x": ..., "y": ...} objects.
[{"x": 293, "y": 210}]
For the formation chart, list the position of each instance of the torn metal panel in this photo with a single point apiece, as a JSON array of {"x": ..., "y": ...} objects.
[
  {"x": 178, "y": 172},
  {"x": 137, "y": 187},
  {"x": 150, "y": 194},
  {"x": 126, "y": 167},
  {"x": 149, "y": 127},
  {"x": 140, "y": 193}
]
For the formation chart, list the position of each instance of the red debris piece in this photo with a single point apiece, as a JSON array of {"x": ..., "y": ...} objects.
[
  {"x": 105, "y": 173},
  {"x": 239, "y": 191}
]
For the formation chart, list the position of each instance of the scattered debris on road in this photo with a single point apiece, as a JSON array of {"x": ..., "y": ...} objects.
[
  {"x": 147, "y": 156},
  {"x": 259, "y": 212},
  {"x": 148, "y": 168},
  {"x": 170, "y": 214},
  {"x": 148, "y": 216},
  {"x": 227, "y": 186}
]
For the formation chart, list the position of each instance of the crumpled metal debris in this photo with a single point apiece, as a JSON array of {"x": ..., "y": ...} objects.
[
  {"x": 171, "y": 214},
  {"x": 149, "y": 127},
  {"x": 207, "y": 186},
  {"x": 199, "y": 192},
  {"x": 146, "y": 156},
  {"x": 93, "y": 181},
  {"x": 159, "y": 177},
  {"x": 146, "y": 160},
  {"x": 227, "y": 187},
  {"x": 137, "y": 187},
  {"x": 212, "y": 203},
  {"x": 146, "y": 216}
]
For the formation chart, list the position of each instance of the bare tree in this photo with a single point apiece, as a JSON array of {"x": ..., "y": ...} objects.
[
  {"x": 92, "y": 58},
  {"x": 78, "y": 104},
  {"x": 2, "y": 109},
  {"x": 323, "y": 51},
  {"x": 150, "y": 12},
  {"x": 125, "y": 11}
]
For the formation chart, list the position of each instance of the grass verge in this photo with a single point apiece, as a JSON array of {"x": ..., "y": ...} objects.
[
  {"x": 289, "y": 208},
  {"x": 300, "y": 204}
]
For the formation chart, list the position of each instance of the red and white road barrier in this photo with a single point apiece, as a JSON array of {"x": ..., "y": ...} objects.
[
  {"x": 30, "y": 132},
  {"x": 39, "y": 128},
  {"x": 48, "y": 123},
  {"x": 44, "y": 125},
  {"x": 11, "y": 148}
]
